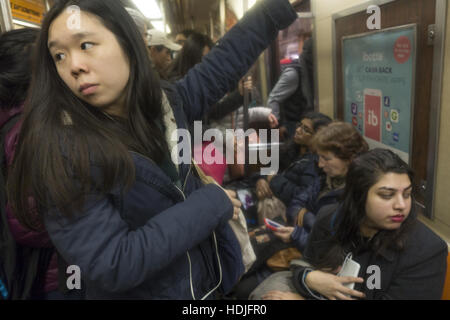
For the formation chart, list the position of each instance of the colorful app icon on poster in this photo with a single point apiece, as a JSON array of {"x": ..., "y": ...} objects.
[
  {"x": 360, "y": 115},
  {"x": 395, "y": 116},
  {"x": 386, "y": 114},
  {"x": 354, "y": 109},
  {"x": 387, "y": 101},
  {"x": 388, "y": 126},
  {"x": 396, "y": 137},
  {"x": 372, "y": 114},
  {"x": 359, "y": 96},
  {"x": 355, "y": 121}
]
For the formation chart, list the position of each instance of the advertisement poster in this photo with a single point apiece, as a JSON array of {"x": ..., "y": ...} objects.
[
  {"x": 31, "y": 11},
  {"x": 379, "y": 71}
]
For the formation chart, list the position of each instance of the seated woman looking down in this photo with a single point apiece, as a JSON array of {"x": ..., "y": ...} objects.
[
  {"x": 297, "y": 160},
  {"x": 336, "y": 145}
]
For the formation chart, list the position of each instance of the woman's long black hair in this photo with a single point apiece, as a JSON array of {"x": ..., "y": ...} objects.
[
  {"x": 364, "y": 172},
  {"x": 190, "y": 55},
  {"x": 62, "y": 136},
  {"x": 15, "y": 65}
]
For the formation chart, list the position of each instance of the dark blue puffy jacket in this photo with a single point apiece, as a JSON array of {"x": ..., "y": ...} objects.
[
  {"x": 301, "y": 174},
  {"x": 156, "y": 241},
  {"x": 310, "y": 200}
]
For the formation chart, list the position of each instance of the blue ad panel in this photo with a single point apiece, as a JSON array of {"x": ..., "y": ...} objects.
[{"x": 378, "y": 72}]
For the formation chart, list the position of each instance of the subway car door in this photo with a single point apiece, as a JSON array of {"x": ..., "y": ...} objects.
[{"x": 393, "y": 15}]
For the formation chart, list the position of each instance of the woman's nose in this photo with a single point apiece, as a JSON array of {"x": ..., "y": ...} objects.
[
  {"x": 78, "y": 65},
  {"x": 400, "y": 203}
]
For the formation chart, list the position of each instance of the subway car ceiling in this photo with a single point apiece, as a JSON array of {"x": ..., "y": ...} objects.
[
  {"x": 200, "y": 15},
  {"x": 177, "y": 15},
  {"x": 187, "y": 14}
]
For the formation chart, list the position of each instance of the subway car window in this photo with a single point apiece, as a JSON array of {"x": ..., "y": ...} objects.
[{"x": 224, "y": 150}]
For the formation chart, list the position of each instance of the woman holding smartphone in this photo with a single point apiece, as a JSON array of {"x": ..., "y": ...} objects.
[{"x": 399, "y": 257}]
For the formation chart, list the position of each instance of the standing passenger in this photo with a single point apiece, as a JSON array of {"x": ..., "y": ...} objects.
[
  {"x": 28, "y": 258},
  {"x": 293, "y": 94},
  {"x": 160, "y": 48},
  {"x": 194, "y": 49},
  {"x": 182, "y": 36},
  {"x": 96, "y": 150}
]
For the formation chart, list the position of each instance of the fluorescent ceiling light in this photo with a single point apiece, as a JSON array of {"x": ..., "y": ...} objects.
[
  {"x": 251, "y": 3},
  {"x": 149, "y": 8},
  {"x": 159, "y": 25}
]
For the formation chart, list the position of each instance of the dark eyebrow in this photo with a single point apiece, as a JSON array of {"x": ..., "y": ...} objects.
[
  {"x": 392, "y": 189},
  {"x": 79, "y": 35}
]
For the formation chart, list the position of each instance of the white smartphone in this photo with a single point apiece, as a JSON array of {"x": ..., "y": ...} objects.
[
  {"x": 373, "y": 100},
  {"x": 350, "y": 268}
]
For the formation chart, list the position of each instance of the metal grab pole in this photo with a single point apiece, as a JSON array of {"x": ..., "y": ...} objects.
[
  {"x": 247, "y": 98},
  {"x": 6, "y": 23},
  {"x": 222, "y": 18}
]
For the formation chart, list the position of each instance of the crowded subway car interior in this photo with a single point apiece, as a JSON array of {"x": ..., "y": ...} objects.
[{"x": 224, "y": 150}]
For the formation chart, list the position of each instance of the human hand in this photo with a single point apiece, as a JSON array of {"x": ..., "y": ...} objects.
[
  {"x": 279, "y": 295},
  {"x": 234, "y": 200},
  {"x": 332, "y": 286},
  {"x": 273, "y": 121},
  {"x": 300, "y": 216},
  {"x": 284, "y": 233},
  {"x": 245, "y": 84},
  {"x": 283, "y": 133},
  {"x": 263, "y": 189}
]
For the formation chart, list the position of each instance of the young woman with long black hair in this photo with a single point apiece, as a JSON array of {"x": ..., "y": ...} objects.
[
  {"x": 95, "y": 152},
  {"x": 194, "y": 49}
]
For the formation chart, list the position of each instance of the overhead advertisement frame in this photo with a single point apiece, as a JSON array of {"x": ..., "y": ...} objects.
[
  {"x": 28, "y": 13},
  {"x": 6, "y": 22}
]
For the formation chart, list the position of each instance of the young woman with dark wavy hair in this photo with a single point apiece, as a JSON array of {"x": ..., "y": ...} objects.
[{"x": 399, "y": 257}]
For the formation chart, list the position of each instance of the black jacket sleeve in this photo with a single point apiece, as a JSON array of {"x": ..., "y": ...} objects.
[
  {"x": 301, "y": 174},
  {"x": 228, "y": 104},
  {"x": 320, "y": 231},
  {"x": 220, "y": 70}
]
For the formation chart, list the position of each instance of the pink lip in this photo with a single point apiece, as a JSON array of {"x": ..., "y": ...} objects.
[
  {"x": 398, "y": 218},
  {"x": 88, "y": 89}
]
